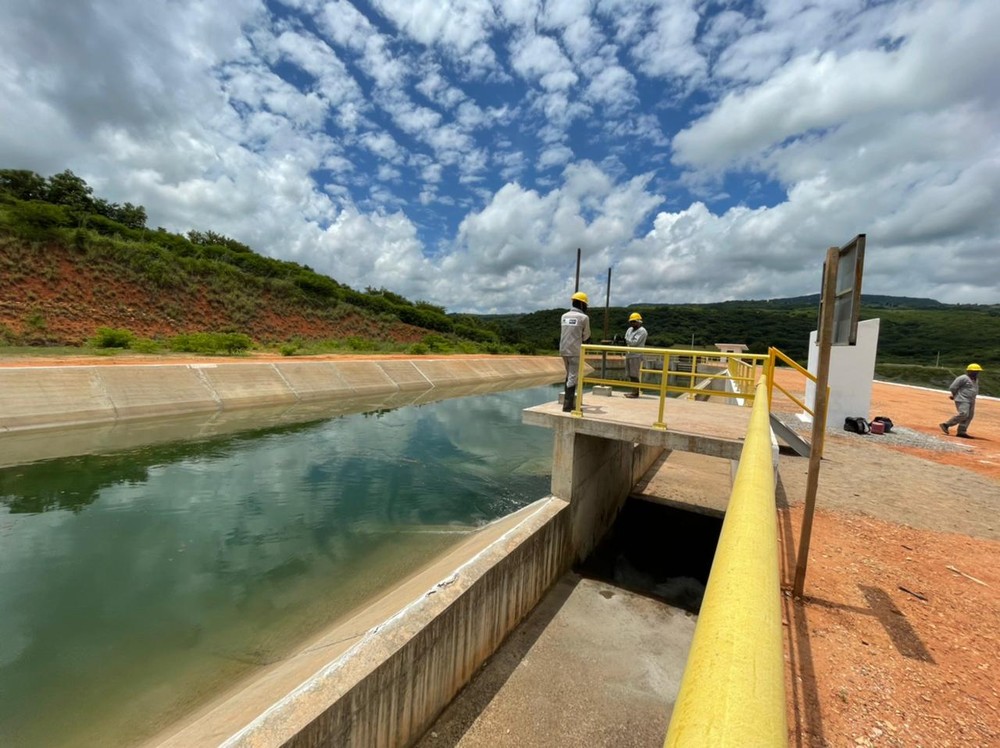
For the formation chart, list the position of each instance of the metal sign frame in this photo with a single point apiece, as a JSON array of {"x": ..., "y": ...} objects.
[{"x": 847, "y": 292}]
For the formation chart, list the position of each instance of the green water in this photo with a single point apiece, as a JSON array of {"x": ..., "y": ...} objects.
[{"x": 134, "y": 585}]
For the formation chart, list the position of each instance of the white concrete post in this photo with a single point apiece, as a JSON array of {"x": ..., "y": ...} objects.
[{"x": 852, "y": 369}]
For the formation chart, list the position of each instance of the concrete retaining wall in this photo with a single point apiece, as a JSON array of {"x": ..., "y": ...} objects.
[{"x": 40, "y": 397}]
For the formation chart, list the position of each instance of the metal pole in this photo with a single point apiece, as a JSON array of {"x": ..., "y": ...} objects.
[
  {"x": 604, "y": 340},
  {"x": 607, "y": 301},
  {"x": 577, "y": 287},
  {"x": 825, "y": 340}
]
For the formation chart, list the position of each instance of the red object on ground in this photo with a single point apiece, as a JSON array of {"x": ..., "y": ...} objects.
[{"x": 877, "y": 427}]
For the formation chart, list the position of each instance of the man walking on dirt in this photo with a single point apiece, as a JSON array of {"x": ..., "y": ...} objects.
[
  {"x": 964, "y": 391},
  {"x": 575, "y": 331}
]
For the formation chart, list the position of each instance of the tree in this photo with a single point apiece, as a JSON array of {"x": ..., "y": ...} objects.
[
  {"x": 210, "y": 238},
  {"x": 66, "y": 188},
  {"x": 23, "y": 184},
  {"x": 133, "y": 216}
]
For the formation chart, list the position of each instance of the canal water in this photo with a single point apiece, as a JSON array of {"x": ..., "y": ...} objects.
[{"x": 136, "y": 584}]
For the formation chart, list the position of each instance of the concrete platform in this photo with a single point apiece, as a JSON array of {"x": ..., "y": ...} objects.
[{"x": 709, "y": 428}]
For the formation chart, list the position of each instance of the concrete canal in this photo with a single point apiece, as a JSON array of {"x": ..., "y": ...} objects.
[{"x": 136, "y": 583}]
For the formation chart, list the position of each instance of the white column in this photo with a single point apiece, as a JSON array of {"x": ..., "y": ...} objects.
[{"x": 852, "y": 369}]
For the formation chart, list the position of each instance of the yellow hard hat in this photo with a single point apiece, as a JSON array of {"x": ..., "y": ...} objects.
[
  {"x": 973, "y": 367},
  {"x": 581, "y": 296},
  {"x": 635, "y": 317}
]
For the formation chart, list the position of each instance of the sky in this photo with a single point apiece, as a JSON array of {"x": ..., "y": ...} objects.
[{"x": 460, "y": 152}]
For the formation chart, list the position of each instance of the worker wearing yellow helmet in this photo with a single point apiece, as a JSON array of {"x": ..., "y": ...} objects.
[
  {"x": 964, "y": 391},
  {"x": 575, "y": 331},
  {"x": 635, "y": 337}
]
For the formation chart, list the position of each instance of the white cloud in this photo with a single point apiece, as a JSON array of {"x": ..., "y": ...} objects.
[
  {"x": 462, "y": 156},
  {"x": 539, "y": 59}
]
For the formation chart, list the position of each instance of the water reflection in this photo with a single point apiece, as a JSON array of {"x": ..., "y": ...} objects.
[{"x": 133, "y": 583}]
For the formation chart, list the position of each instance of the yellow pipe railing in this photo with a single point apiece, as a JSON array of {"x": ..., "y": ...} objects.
[
  {"x": 743, "y": 374},
  {"x": 732, "y": 694}
]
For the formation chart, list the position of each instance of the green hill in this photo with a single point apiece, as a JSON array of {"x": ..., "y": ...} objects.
[{"x": 76, "y": 268}]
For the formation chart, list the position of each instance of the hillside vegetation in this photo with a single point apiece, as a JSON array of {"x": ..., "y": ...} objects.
[{"x": 77, "y": 270}]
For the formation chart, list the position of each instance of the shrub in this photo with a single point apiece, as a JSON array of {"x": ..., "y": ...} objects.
[
  {"x": 418, "y": 349},
  {"x": 145, "y": 345},
  {"x": 8, "y": 336},
  {"x": 37, "y": 220},
  {"x": 109, "y": 337},
  {"x": 36, "y": 320},
  {"x": 360, "y": 344},
  {"x": 210, "y": 342},
  {"x": 436, "y": 343}
]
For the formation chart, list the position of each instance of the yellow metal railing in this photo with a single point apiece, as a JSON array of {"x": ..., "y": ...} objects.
[
  {"x": 732, "y": 694},
  {"x": 741, "y": 371},
  {"x": 773, "y": 356}
]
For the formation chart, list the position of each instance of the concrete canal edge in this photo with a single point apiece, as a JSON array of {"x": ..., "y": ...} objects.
[
  {"x": 47, "y": 397},
  {"x": 381, "y": 676}
]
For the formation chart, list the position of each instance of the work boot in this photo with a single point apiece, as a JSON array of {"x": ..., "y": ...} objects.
[
  {"x": 569, "y": 399},
  {"x": 943, "y": 427},
  {"x": 964, "y": 435},
  {"x": 634, "y": 393}
]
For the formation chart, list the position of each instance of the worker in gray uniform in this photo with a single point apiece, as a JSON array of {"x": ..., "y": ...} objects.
[
  {"x": 575, "y": 331},
  {"x": 964, "y": 391},
  {"x": 635, "y": 337}
]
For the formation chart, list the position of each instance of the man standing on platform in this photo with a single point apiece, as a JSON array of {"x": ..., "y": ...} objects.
[
  {"x": 635, "y": 337},
  {"x": 575, "y": 332}
]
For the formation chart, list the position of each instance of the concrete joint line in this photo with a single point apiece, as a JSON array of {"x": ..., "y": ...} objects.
[
  {"x": 102, "y": 386},
  {"x": 287, "y": 383},
  {"x": 199, "y": 370},
  {"x": 417, "y": 367}
]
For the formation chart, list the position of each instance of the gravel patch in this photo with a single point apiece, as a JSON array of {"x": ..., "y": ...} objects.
[{"x": 900, "y": 436}]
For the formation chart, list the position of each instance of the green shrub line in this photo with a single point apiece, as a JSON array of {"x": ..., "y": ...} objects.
[{"x": 108, "y": 339}]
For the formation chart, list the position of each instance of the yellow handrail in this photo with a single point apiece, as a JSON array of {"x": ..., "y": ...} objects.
[
  {"x": 732, "y": 694},
  {"x": 773, "y": 356},
  {"x": 739, "y": 368}
]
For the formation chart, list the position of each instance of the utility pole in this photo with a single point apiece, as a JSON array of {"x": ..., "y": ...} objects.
[
  {"x": 604, "y": 340},
  {"x": 607, "y": 302}
]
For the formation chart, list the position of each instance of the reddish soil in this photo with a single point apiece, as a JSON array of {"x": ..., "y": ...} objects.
[
  {"x": 60, "y": 298},
  {"x": 895, "y": 642}
]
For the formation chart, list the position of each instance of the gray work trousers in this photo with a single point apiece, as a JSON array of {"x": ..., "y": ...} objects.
[
  {"x": 572, "y": 369},
  {"x": 963, "y": 418}
]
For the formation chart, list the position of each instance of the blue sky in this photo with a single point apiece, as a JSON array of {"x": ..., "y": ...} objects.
[{"x": 460, "y": 152}]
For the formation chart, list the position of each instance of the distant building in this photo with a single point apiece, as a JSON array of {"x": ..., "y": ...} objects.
[{"x": 732, "y": 347}]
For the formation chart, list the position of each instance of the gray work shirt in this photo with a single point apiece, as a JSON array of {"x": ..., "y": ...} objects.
[
  {"x": 965, "y": 389},
  {"x": 575, "y": 330},
  {"x": 635, "y": 338}
]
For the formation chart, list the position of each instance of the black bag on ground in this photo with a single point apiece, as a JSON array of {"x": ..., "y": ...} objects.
[
  {"x": 856, "y": 424},
  {"x": 885, "y": 421}
]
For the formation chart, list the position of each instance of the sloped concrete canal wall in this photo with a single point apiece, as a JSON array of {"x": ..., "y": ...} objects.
[{"x": 41, "y": 397}]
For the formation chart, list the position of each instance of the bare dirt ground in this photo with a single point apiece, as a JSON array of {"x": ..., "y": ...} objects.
[{"x": 895, "y": 642}]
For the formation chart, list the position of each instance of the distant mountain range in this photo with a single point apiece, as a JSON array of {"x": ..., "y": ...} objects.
[{"x": 795, "y": 302}]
